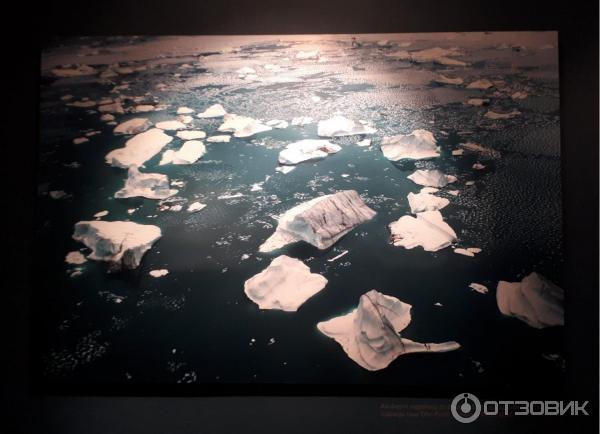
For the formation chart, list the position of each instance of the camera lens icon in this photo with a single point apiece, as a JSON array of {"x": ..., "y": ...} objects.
[{"x": 465, "y": 408}]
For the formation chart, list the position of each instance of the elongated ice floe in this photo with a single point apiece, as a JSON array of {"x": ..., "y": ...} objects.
[
  {"x": 195, "y": 207},
  {"x": 190, "y": 152},
  {"x": 139, "y": 149},
  {"x": 224, "y": 138},
  {"x": 428, "y": 230},
  {"x": 371, "y": 334},
  {"x": 148, "y": 185},
  {"x": 482, "y": 289},
  {"x": 534, "y": 300},
  {"x": 75, "y": 71},
  {"x": 417, "y": 145},
  {"x": 498, "y": 116},
  {"x": 442, "y": 79},
  {"x": 425, "y": 202},
  {"x": 307, "y": 150},
  {"x": 122, "y": 244},
  {"x": 338, "y": 126},
  {"x": 483, "y": 150},
  {"x": 242, "y": 126},
  {"x": 184, "y": 111},
  {"x": 133, "y": 126},
  {"x": 191, "y": 134},
  {"x": 171, "y": 125},
  {"x": 480, "y": 84},
  {"x": 285, "y": 285},
  {"x": 321, "y": 221},
  {"x": 312, "y": 54},
  {"x": 214, "y": 111},
  {"x": 435, "y": 55},
  {"x": 431, "y": 178}
]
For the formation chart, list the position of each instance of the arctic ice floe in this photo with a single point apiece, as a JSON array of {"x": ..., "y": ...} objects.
[
  {"x": 189, "y": 153},
  {"x": 428, "y": 229},
  {"x": 495, "y": 116},
  {"x": 483, "y": 150},
  {"x": 122, "y": 244},
  {"x": 114, "y": 107},
  {"x": 535, "y": 300},
  {"x": 370, "y": 334},
  {"x": 478, "y": 101},
  {"x": 417, "y": 145},
  {"x": 196, "y": 206},
  {"x": 301, "y": 121},
  {"x": 480, "y": 84},
  {"x": 306, "y": 150},
  {"x": 321, "y": 221},
  {"x": 107, "y": 117},
  {"x": 431, "y": 178},
  {"x": 482, "y": 289},
  {"x": 143, "y": 108},
  {"x": 242, "y": 126},
  {"x": 425, "y": 202},
  {"x": 101, "y": 214},
  {"x": 470, "y": 251},
  {"x": 159, "y": 273},
  {"x": 148, "y": 185},
  {"x": 285, "y": 285},
  {"x": 435, "y": 55},
  {"x": 338, "y": 126},
  {"x": 184, "y": 111},
  {"x": 139, "y": 149},
  {"x": 171, "y": 125},
  {"x": 75, "y": 258},
  {"x": 219, "y": 139},
  {"x": 191, "y": 134},
  {"x": 80, "y": 140},
  {"x": 364, "y": 143},
  {"x": 75, "y": 71},
  {"x": 214, "y": 111},
  {"x": 133, "y": 126},
  {"x": 313, "y": 54},
  {"x": 442, "y": 79},
  {"x": 277, "y": 123},
  {"x": 519, "y": 95}
]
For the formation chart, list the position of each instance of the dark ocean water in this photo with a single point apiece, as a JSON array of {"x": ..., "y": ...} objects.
[{"x": 197, "y": 325}]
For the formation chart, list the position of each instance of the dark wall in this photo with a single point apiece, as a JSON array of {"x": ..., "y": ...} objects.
[{"x": 38, "y": 26}]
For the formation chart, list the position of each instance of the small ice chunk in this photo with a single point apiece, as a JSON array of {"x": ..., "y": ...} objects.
[
  {"x": 214, "y": 111},
  {"x": 301, "y": 121},
  {"x": 442, "y": 79},
  {"x": 495, "y": 116},
  {"x": 457, "y": 152},
  {"x": 107, "y": 117},
  {"x": 478, "y": 101},
  {"x": 224, "y": 138},
  {"x": 417, "y": 145},
  {"x": 425, "y": 202},
  {"x": 58, "y": 194},
  {"x": 476, "y": 147},
  {"x": 364, "y": 143},
  {"x": 474, "y": 250},
  {"x": 428, "y": 230},
  {"x": 189, "y": 153},
  {"x": 285, "y": 169},
  {"x": 80, "y": 140},
  {"x": 453, "y": 192},
  {"x": 114, "y": 107},
  {"x": 133, "y": 126},
  {"x": 371, "y": 334},
  {"x": 139, "y": 149},
  {"x": 75, "y": 258},
  {"x": 478, "y": 166},
  {"x": 480, "y": 84},
  {"x": 519, "y": 95},
  {"x": 131, "y": 210},
  {"x": 242, "y": 126},
  {"x": 335, "y": 258},
  {"x": 120, "y": 243},
  {"x": 534, "y": 300},
  {"x": 338, "y": 126},
  {"x": 431, "y": 178},
  {"x": 285, "y": 285},
  {"x": 230, "y": 196},
  {"x": 101, "y": 214},
  {"x": 191, "y": 134},
  {"x": 143, "y": 108},
  {"x": 482, "y": 289},
  {"x": 148, "y": 185},
  {"x": 246, "y": 70},
  {"x": 184, "y": 111},
  {"x": 307, "y": 150},
  {"x": 171, "y": 125},
  {"x": 464, "y": 252},
  {"x": 158, "y": 273},
  {"x": 196, "y": 206}
]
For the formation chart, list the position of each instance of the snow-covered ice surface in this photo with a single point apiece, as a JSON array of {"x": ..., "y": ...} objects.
[{"x": 122, "y": 326}]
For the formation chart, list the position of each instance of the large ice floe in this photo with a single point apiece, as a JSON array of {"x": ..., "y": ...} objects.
[
  {"x": 370, "y": 334},
  {"x": 189, "y": 153},
  {"x": 534, "y": 300},
  {"x": 306, "y": 150},
  {"x": 133, "y": 126},
  {"x": 420, "y": 202},
  {"x": 214, "y": 111},
  {"x": 148, "y": 185},
  {"x": 338, "y": 126},
  {"x": 321, "y": 221},
  {"x": 122, "y": 244},
  {"x": 242, "y": 126},
  {"x": 428, "y": 229},
  {"x": 139, "y": 149},
  {"x": 417, "y": 145},
  {"x": 285, "y": 284},
  {"x": 431, "y": 178}
]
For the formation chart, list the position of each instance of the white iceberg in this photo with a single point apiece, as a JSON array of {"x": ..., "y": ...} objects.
[
  {"x": 417, "y": 145},
  {"x": 139, "y": 149},
  {"x": 534, "y": 300},
  {"x": 191, "y": 134},
  {"x": 285, "y": 285},
  {"x": 340, "y": 126},
  {"x": 75, "y": 258},
  {"x": 242, "y": 126},
  {"x": 307, "y": 150},
  {"x": 425, "y": 202},
  {"x": 428, "y": 229},
  {"x": 148, "y": 185},
  {"x": 321, "y": 221},
  {"x": 133, "y": 126},
  {"x": 171, "y": 125},
  {"x": 480, "y": 84},
  {"x": 224, "y": 138},
  {"x": 370, "y": 334},
  {"x": 101, "y": 214},
  {"x": 196, "y": 206},
  {"x": 431, "y": 178},
  {"x": 214, "y": 111},
  {"x": 120, "y": 243},
  {"x": 189, "y": 153},
  {"x": 159, "y": 273}
]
